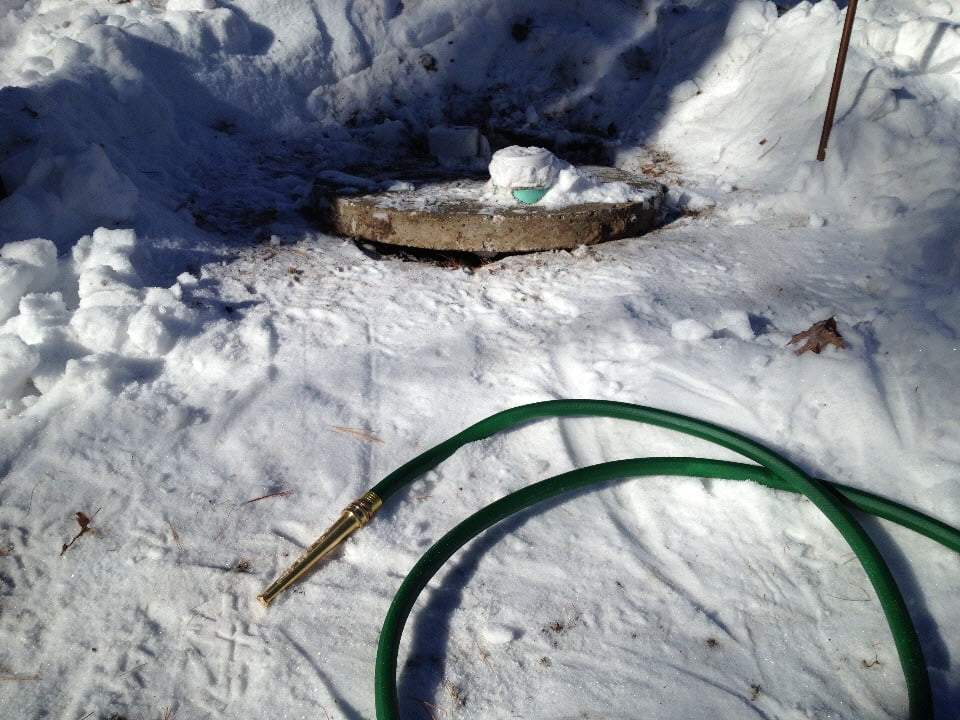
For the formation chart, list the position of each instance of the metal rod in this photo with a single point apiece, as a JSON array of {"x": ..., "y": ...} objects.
[{"x": 837, "y": 77}]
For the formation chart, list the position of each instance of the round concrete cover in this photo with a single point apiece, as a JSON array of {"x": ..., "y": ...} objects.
[{"x": 453, "y": 216}]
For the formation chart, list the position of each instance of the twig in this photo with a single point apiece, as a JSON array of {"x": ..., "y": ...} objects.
[
  {"x": 770, "y": 149},
  {"x": 176, "y": 536},
  {"x": 865, "y": 598},
  {"x": 21, "y": 678},
  {"x": 30, "y": 504},
  {"x": 356, "y": 433},
  {"x": 279, "y": 493},
  {"x": 133, "y": 669},
  {"x": 426, "y": 706}
]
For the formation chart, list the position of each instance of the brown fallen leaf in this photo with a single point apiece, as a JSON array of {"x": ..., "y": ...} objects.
[
  {"x": 819, "y": 335},
  {"x": 84, "y": 522}
]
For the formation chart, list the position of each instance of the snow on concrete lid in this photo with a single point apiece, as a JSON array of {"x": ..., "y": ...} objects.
[
  {"x": 525, "y": 167},
  {"x": 593, "y": 204}
]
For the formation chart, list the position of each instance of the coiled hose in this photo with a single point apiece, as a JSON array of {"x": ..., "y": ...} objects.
[{"x": 772, "y": 470}]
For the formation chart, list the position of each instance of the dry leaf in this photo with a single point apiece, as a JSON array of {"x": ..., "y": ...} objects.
[
  {"x": 84, "y": 522},
  {"x": 819, "y": 335}
]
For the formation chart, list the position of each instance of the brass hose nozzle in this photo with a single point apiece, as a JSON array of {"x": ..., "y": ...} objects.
[{"x": 354, "y": 516}]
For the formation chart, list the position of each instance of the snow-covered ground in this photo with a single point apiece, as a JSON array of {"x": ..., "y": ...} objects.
[{"x": 195, "y": 374}]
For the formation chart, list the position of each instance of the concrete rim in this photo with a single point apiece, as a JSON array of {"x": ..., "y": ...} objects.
[{"x": 458, "y": 222}]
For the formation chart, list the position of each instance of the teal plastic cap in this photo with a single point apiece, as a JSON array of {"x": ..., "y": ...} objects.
[{"x": 529, "y": 196}]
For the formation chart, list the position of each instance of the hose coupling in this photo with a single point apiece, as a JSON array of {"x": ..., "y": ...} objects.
[{"x": 354, "y": 516}]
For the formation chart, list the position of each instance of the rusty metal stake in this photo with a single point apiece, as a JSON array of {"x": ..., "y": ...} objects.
[{"x": 837, "y": 77}]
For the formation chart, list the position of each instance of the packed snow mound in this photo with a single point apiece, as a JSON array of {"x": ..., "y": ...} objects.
[
  {"x": 751, "y": 117},
  {"x": 28, "y": 266},
  {"x": 518, "y": 167},
  {"x": 525, "y": 167},
  {"x": 90, "y": 307},
  {"x": 577, "y": 187},
  {"x": 734, "y": 91},
  {"x": 72, "y": 190}
]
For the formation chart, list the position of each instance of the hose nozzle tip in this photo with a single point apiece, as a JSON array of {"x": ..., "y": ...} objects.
[{"x": 354, "y": 516}]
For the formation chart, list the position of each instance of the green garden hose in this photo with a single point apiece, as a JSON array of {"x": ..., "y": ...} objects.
[{"x": 834, "y": 500}]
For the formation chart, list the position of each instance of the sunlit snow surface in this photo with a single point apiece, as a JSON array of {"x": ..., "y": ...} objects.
[{"x": 177, "y": 340}]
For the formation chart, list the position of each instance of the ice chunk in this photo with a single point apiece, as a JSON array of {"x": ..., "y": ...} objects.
[
  {"x": 41, "y": 314},
  {"x": 185, "y": 279},
  {"x": 456, "y": 143},
  {"x": 39, "y": 253},
  {"x": 25, "y": 266},
  {"x": 17, "y": 361},
  {"x": 163, "y": 297},
  {"x": 106, "y": 247},
  {"x": 44, "y": 324},
  {"x": 737, "y": 323},
  {"x": 102, "y": 328},
  {"x": 684, "y": 91},
  {"x": 149, "y": 333},
  {"x": 102, "y": 285}
]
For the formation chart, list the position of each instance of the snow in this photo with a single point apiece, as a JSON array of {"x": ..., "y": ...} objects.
[
  {"x": 195, "y": 366},
  {"x": 458, "y": 146},
  {"x": 575, "y": 187},
  {"x": 517, "y": 167},
  {"x": 525, "y": 167}
]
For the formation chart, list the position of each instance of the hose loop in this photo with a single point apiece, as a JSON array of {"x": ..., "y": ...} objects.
[{"x": 772, "y": 470}]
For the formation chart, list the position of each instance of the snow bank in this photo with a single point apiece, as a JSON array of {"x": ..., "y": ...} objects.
[
  {"x": 90, "y": 307},
  {"x": 750, "y": 119},
  {"x": 71, "y": 190},
  {"x": 733, "y": 91}
]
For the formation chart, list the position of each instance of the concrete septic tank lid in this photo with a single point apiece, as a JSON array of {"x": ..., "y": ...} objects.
[{"x": 451, "y": 215}]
